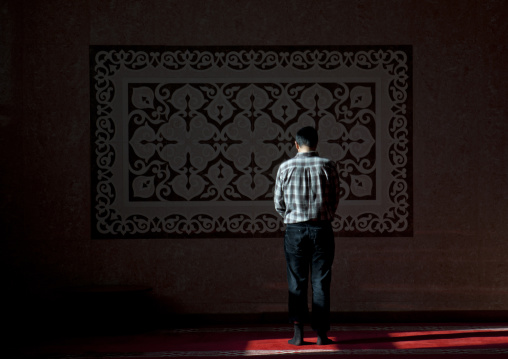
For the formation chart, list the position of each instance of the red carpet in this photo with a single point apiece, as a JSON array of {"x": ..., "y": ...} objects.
[{"x": 355, "y": 341}]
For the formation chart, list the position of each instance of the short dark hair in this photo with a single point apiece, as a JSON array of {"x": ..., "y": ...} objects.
[{"x": 307, "y": 136}]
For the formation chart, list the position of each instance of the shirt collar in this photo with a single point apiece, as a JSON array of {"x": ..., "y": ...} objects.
[{"x": 307, "y": 154}]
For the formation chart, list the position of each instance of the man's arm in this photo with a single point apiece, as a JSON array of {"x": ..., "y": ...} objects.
[{"x": 278, "y": 196}]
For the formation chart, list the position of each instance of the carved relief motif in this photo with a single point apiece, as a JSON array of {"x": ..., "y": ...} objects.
[{"x": 187, "y": 142}]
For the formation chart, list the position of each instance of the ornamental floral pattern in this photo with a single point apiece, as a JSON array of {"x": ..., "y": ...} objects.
[{"x": 186, "y": 142}]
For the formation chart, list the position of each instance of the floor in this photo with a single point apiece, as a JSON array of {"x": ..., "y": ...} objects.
[{"x": 355, "y": 340}]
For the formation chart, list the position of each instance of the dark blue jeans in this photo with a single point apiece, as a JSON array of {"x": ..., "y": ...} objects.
[{"x": 309, "y": 246}]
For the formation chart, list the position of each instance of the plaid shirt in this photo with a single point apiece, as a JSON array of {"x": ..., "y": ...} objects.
[{"x": 307, "y": 188}]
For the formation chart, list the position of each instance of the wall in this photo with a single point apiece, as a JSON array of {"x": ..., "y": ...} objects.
[{"x": 456, "y": 259}]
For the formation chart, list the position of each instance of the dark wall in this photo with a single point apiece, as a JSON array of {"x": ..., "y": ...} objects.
[{"x": 457, "y": 257}]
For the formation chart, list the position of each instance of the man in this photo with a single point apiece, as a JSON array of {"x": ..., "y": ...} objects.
[{"x": 306, "y": 196}]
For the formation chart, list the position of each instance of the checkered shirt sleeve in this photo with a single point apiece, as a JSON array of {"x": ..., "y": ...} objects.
[{"x": 307, "y": 188}]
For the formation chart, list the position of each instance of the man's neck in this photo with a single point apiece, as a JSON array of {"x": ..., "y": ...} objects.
[{"x": 304, "y": 149}]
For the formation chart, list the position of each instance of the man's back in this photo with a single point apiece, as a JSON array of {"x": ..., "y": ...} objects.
[{"x": 307, "y": 188}]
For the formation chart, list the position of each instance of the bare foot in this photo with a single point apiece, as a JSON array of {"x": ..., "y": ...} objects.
[
  {"x": 324, "y": 341},
  {"x": 298, "y": 337},
  {"x": 322, "y": 338}
]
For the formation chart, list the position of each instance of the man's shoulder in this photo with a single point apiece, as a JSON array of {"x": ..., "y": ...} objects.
[
  {"x": 325, "y": 160},
  {"x": 287, "y": 164},
  {"x": 319, "y": 160},
  {"x": 305, "y": 161},
  {"x": 329, "y": 162}
]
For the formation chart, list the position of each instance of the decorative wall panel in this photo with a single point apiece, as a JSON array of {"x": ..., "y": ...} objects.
[{"x": 186, "y": 142}]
